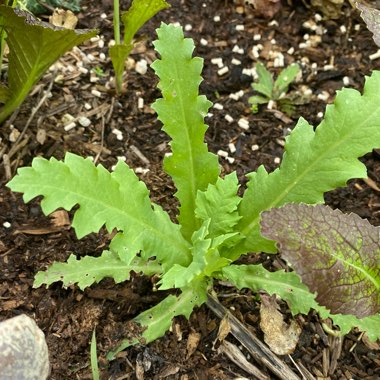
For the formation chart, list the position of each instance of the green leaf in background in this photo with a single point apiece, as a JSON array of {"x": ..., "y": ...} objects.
[
  {"x": 4, "y": 94},
  {"x": 286, "y": 76},
  {"x": 33, "y": 47},
  {"x": 153, "y": 323},
  {"x": 118, "y": 54},
  {"x": 265, "y": 83},
  {"x": 117, "y": 200},
  {"x": 89, "y": 270},
  {"x": 133, "y": 19},
  {"x": 336, "y": 255},
  {"x": 181, "y": 110},
  {"x": 314, "y": 162},
  {"x": 138, "y": 14},
  {"x": 371, "y": 17}
]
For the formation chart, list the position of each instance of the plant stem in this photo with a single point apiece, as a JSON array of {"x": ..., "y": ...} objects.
[{"x": 116, "y": 21}]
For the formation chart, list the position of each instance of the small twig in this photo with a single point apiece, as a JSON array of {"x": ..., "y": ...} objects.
[
  {"x": 305, "y": 375},
  {"x": 259, "y": 351},
  {"x": 138, "y": 153},
  {"x": 7, "y": 167},
  {"x": 15, "y": 147},
  {"x": 236, "y": 356},
  {"x": 104, "y": 122},
  {"x": 101, "y": 142}
]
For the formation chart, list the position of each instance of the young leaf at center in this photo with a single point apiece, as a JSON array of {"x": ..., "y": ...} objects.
[{"x": 181, "y": 110}]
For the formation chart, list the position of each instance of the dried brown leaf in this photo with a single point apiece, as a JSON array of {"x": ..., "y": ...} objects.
[{"x": 281, "y": 338}]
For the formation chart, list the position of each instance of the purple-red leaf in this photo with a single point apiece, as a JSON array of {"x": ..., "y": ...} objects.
[{"x": 336, "y": 255}]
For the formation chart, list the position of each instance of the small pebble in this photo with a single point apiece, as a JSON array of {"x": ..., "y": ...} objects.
[
  {"x": 188, "y": 27},
  {"x": 231, "y": 160},
  {"x": 101, "y": 44},
  {"x": 243, "y": 123},
  {"x": 69, "y": 126},
  {"x": 96, "y": 93},
  {"x": 140, "y": 170},
  {"x": 217, "y": 61},
  {"x": 103, "y": 16},
  {"x": 235, "y": 62},
  {"x": 270, "y": 104},
  {"x": 374, "y": 56},
  {"x": 90, "y": 57},
  {"x": 346, "y": 81},
  {"x": 249, "y": 72},
  {"x": 141, "y": 66},
  {"x": 218, "y": 106},
  {"x": 223, "y": 70},
  {"x": 83, "y": 70},
  {"x": 84, "y": 121},
  {"x": 232, "y": 147},
  {"x": 204, "y": 42},
  {"x": 291, "y": 50},
  {"x": 277, "y": 160},
  {"x": 229, "y": 118},
  {"x": 239, "y": 28},
  {"x": 273, "y": 23},
  {"x": 6, "y": 225},
  {"x": 222, "y": 153},
  {"x": 254, "y": 147},
  {"x": 324, "y": 95},
  {"x": 216, "y": 18},
  {"x": 320, "y": 115},
  {"x": 140, "y": 103}
]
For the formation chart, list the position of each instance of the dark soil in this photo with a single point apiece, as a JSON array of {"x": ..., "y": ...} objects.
[{"x": 33, "y": 241}]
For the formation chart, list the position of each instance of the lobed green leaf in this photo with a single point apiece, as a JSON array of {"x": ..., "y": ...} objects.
[
  {"x": 181, "y": 110},
  {"x": 289, "y": 287},
  {"x": 153, "y": 323},
  {"x": 314, "y": 162},
  {"x": 89, "y": 270},
  {"x": 117, "y": 200},
  {"x": 286, "y": 285}
]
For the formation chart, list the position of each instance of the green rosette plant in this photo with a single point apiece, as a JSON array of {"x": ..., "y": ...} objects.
[{"x": 215, "y": 226}]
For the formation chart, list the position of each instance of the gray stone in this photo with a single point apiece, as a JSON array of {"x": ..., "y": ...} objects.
[{"x": 23, "y": 350}]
